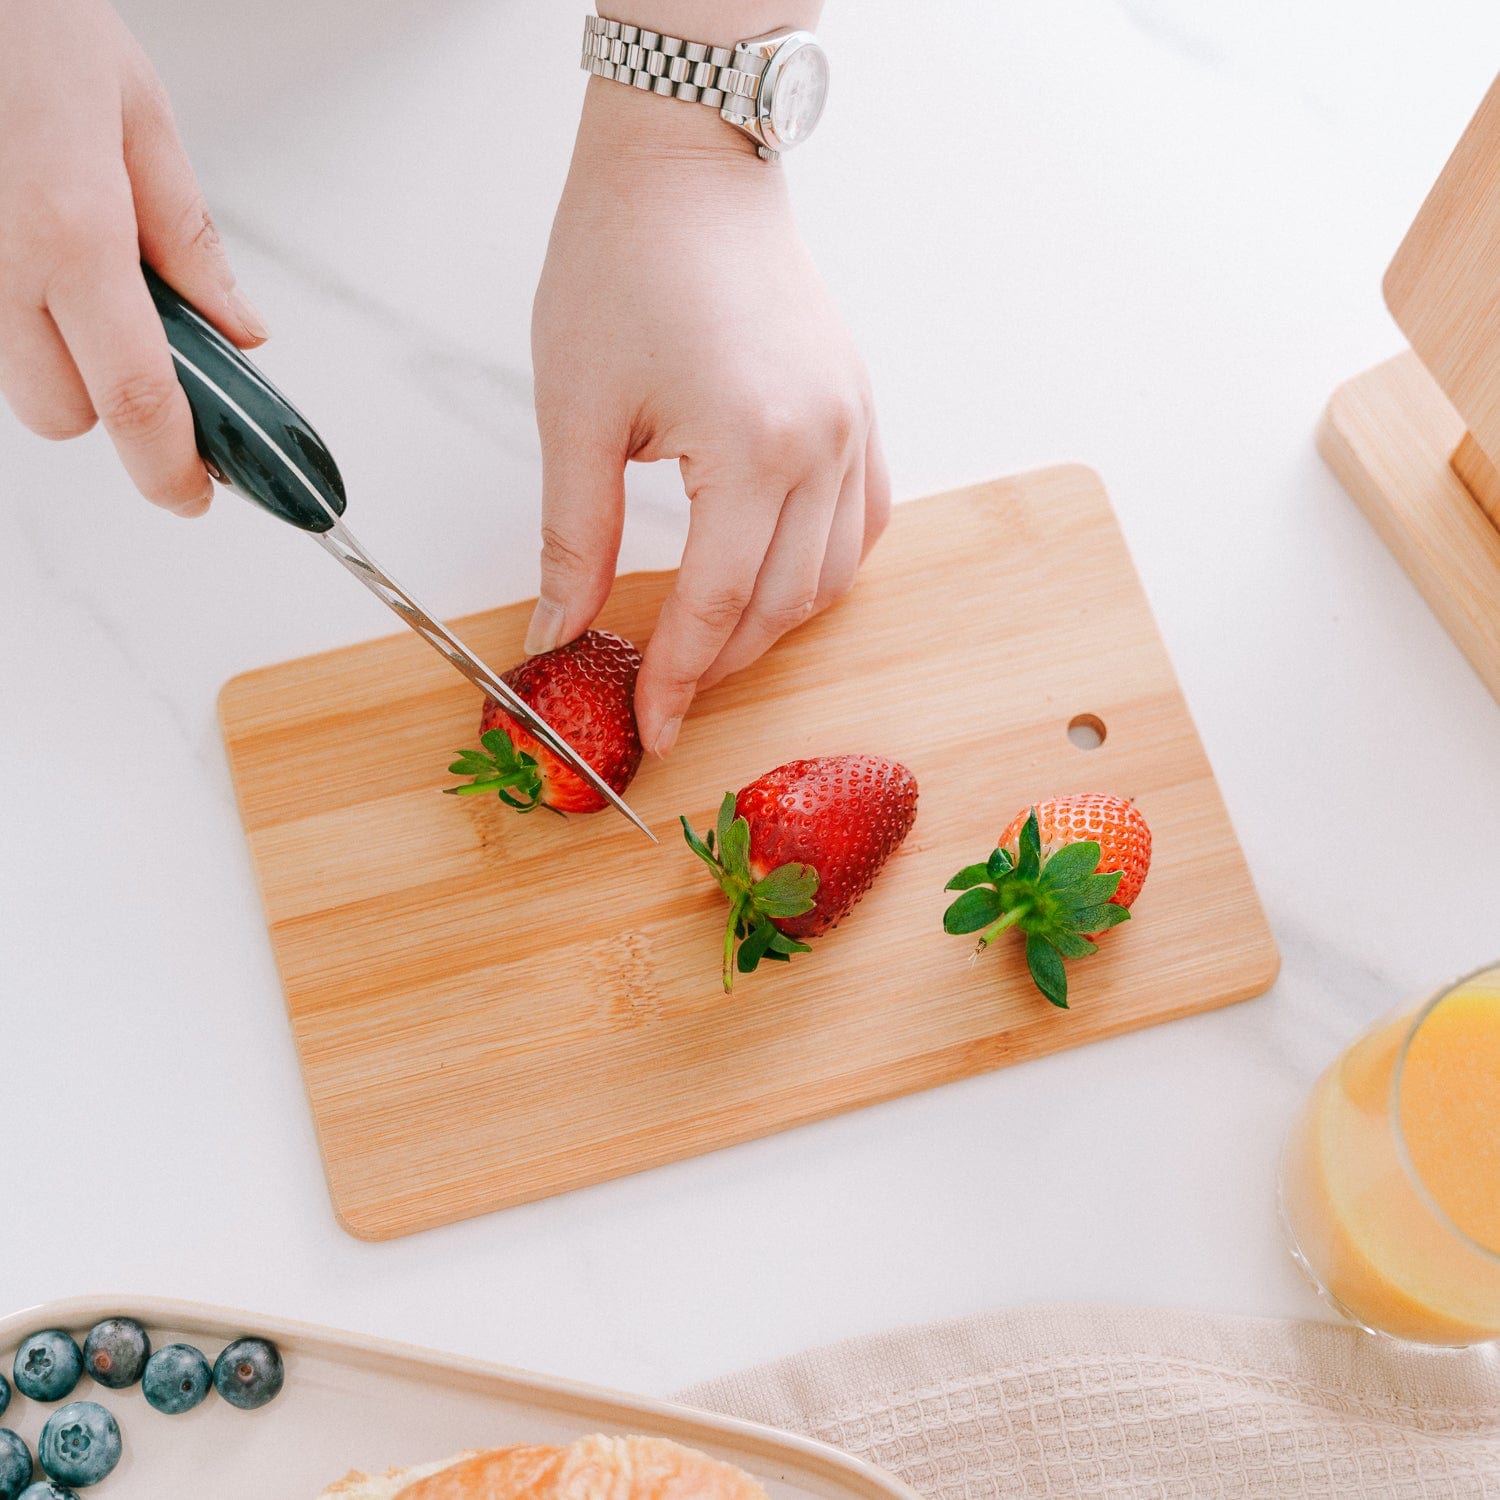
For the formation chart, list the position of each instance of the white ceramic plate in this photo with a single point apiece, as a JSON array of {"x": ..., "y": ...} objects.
[{"x": 352, "y": 1402}]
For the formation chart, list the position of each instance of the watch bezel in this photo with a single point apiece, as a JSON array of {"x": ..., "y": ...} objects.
[{"x": 783, "y": 49}]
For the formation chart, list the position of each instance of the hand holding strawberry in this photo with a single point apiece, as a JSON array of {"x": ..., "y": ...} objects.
[
  {"x": 585, "y": 691},
  {"x": 796, "y": 849},
  {"x": 1063, "y": 873}
]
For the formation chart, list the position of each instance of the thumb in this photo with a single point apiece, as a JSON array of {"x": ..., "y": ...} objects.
[
  {"x": 177, "y": 234},
  {"x": 583, "y": 512}
]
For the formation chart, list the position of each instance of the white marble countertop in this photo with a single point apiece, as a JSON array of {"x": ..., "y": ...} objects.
[{"x": 1145, "y": 234}]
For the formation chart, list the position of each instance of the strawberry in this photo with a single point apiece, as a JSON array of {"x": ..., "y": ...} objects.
[
  {"x": 1063, "y": 873},
  {"x": 585, "y": 691},
  {"x": 799, "y": 846}
]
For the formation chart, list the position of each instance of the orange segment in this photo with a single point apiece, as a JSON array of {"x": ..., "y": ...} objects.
[
  {"x": 506, "y": 1474},
  {"x": 640, "y": 1468},
  {"x": 595, "y": 1468}
]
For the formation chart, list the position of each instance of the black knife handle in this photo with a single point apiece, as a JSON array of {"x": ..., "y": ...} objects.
[{"x": 251, "y": 437}]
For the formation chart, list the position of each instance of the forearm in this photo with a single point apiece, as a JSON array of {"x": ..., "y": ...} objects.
[{"x": 679, "y": 316}]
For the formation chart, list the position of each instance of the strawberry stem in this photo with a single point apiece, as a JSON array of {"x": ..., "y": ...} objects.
[
  {"x": 500, "y": 768},
  {"x": 1009, "y": 920},
  {"x": 731, "y": 931}
]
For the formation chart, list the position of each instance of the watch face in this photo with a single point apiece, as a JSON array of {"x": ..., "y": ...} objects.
[{"x": 800, "y": 91}]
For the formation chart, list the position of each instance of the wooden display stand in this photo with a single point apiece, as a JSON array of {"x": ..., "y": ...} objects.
[{"x": 1416, "y": 440}]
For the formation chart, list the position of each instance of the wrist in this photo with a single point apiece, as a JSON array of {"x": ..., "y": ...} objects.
[
  {"x": 723, "y": 23},
  {"x": 619, "y": 122},
  {"x": 644, "y": 160},
  {"x": 769, "y": 88}
]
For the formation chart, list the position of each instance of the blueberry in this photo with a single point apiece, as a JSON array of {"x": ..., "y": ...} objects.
[
  {"x": 15, "y": 1465},
  {"x": 177, "y": 1378},
  {"x": 116, "y": 1351},
  {"x": 44, "y": 1489},
  {"x": 80, "y": 1444},
  {"x": 48, "y": 1366},
  {"x": 249, "y": 1373},
  {"x": 4, "y": 1394}
]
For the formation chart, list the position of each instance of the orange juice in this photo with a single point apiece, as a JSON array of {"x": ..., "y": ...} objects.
[{"x": 1391, "y": 1181}]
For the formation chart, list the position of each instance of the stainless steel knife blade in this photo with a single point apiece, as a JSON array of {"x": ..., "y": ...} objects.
[{"x": 339, "y": 542}]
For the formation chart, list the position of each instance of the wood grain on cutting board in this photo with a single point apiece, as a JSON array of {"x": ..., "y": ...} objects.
[{"x": 490, "y": 1008}]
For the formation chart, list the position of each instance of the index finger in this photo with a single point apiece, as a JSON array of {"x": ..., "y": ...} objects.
[
  {"x": 110, "y": 325},
  {"x": 728, "y": 537}
]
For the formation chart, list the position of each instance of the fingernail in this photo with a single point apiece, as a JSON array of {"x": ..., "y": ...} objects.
[
  {"x": 545, "y": 631},
  {"x": 190, "y": 509},
  {"x": 667, "y": 737},
  {"x": 250, "y": 320}
]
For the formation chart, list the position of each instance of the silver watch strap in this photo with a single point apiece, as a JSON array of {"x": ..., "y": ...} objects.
[{"x": 666, "y": 65}]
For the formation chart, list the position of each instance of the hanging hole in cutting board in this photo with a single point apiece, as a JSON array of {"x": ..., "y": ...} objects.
[{"x": 1086, "y": 731}]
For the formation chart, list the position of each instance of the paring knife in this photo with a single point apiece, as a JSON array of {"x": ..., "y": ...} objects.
[{"x": 256, "y": 442}]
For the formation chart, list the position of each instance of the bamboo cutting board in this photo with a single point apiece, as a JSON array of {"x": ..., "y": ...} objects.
[{"x": 491, "y": 1008}]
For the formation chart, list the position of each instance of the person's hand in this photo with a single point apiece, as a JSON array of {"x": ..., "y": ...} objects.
[
  {"x": 93, "y": 180},
  {"x": 679, "y": 316}
]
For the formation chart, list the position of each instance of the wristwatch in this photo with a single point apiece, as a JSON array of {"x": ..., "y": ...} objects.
[{"x": 772, "y": 87}]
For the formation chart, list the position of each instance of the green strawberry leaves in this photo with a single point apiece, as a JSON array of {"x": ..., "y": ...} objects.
[
  {"x": 751, "y": 933},
  {"x": 1029, "y": 846},
  {"x": 786, "y": 891},
  {"x": 1072, "y": 944},
  {"x": 1058, "y": 903},
  {"x": 1046, "y": 965},
  {"x": 506, "y": 771},
  {"x": 1099, "y": 918},
  {"x": 976, "y": 908},
  {"x": 764, "y": 941},
  {"x": 1071, "y": 863},
  {"x": 734, "y": 849},
  {"x": 1092, "y": 890},
  {"x": 726, "y": 818},
  {"x": 755, "y": 947}
]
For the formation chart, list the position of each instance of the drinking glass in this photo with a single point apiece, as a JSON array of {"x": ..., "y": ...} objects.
[{"x": 1390, "y": 1180}]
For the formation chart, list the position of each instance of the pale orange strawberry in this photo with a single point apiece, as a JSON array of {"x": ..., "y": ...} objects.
[
  {"x": 1063, "y": 873},
  {"x": 1113, "y": 823}
]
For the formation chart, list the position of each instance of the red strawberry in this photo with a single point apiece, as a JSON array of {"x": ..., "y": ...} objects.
[
  {"x": 1064, "y": 872},
  {"x": 585, "y": 691},
  {"x": 799, "y": 846}
]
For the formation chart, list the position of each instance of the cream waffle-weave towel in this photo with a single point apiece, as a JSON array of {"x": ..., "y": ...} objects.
[{"x": 1080, "y": 1402}]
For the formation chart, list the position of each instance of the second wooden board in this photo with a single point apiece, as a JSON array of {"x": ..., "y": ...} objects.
[
  {"x": 1389, "y": 436},
  {"x": 491, "y": 1008}
]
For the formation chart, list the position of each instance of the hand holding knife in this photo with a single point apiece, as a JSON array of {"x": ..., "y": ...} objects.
[{"x": 256, "y": 442}]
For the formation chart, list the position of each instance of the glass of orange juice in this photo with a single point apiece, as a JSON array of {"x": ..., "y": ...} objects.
[{"x": 1390, "y": 1183}]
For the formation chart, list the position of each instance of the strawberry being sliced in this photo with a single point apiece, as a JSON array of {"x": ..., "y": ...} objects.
[
  {"x": 586, "y": 692},
  {"x": 797, "y": 848},
  {"x": 1063, "y": 873}
]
